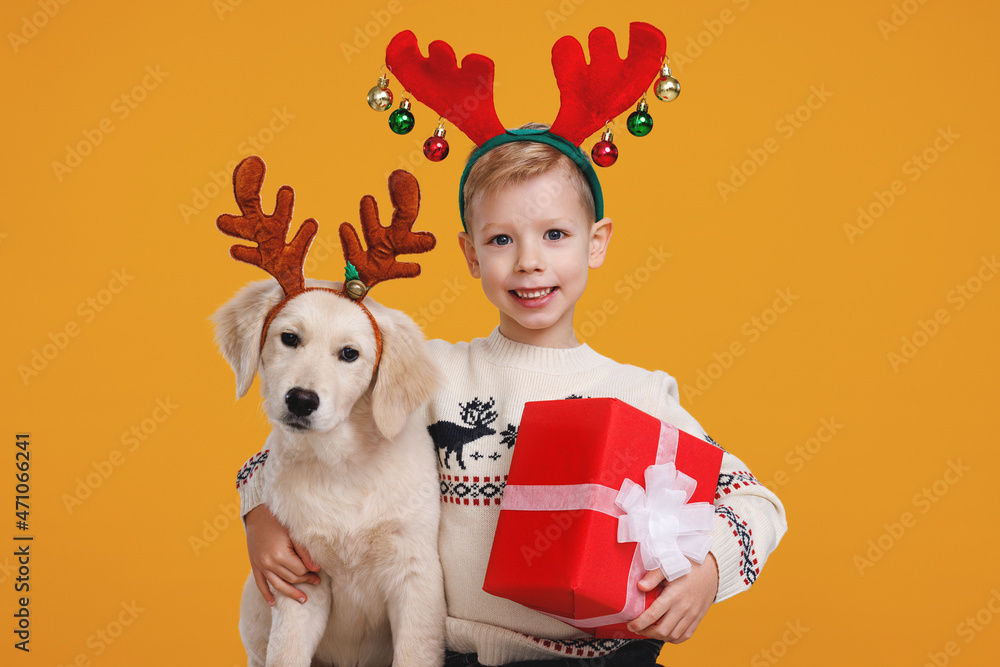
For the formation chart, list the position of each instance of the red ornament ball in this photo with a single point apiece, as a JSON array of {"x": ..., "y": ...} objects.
[
  {"x": 436, "y": 149},
  {"x": 604, "y": 153}
]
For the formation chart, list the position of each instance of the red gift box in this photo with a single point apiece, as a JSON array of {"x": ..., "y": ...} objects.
[{"x": 556, "y": 547}]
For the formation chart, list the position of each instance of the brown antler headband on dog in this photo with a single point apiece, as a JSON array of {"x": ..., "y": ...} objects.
[{"x": 284, "y": 260}]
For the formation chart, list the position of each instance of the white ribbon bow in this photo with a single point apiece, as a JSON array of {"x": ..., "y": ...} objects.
[{"x": 668, "y": 530}]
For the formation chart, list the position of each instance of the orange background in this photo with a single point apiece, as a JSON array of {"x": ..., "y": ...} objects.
[{"x": 860, "y": 580}]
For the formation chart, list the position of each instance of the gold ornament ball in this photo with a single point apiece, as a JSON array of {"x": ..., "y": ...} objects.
[
  {"x": 667, "y": 88},
  {"x": 355, "y": 289},
  {"x": 379, "y": 98}
]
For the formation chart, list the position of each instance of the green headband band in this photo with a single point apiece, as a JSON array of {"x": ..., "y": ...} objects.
[{"x": 542, "y": 137}]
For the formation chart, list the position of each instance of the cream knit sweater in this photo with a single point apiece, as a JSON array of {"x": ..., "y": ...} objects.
[{"x": 473, "y": 420}]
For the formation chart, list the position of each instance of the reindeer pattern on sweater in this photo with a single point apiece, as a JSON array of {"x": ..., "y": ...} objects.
[{"x": 476, "y": 415}]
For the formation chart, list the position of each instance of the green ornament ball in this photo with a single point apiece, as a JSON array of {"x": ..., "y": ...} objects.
[
  {"x": 401, "y": 121},
  {"x": 639, "y": 123}
]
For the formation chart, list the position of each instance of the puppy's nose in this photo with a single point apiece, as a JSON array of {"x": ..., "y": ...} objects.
[{"x": 301, "y": 402}]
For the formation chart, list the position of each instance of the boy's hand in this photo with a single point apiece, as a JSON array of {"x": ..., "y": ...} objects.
[
  {"x": 275, "y": 558},
  {"x": 674, "y": 616}
]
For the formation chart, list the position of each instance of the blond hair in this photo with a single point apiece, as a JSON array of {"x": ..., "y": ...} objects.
[{"x": 516, "y": 162}]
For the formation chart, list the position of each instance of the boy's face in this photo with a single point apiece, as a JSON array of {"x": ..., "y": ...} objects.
[{"x": 531, "y": 244}]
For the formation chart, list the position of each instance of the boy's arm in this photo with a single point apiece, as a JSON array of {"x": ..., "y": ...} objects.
[
  {"x": 274, "y": 558},
  {"x": 749, "y": 518},
  {"x": 749, "y": 523}
]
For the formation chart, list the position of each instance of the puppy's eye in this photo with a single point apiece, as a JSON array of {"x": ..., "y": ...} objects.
[
  {"x": 348, "y": 354},
  {"x": 290, "y": 339}
]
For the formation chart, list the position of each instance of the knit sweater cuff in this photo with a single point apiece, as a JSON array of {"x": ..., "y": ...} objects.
[
  {"x": 249, "y": 482},
  {"x": 734, "y": 553},
  {"x": 249, "y": 499}
]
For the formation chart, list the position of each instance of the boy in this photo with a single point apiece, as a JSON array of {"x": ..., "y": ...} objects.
[{"x": 532, "y": 236}]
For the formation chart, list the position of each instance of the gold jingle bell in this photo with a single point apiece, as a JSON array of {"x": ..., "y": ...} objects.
[
  {"x": 355, "y": 289},
  {"x": 380, "y": 97},
  {"x": 667, "y": 87}
]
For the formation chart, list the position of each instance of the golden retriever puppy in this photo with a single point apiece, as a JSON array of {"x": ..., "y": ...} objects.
[{"x": 351, "y": 472}]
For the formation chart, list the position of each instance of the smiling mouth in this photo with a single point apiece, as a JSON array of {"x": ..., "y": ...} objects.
[{"x": 534, "y": 293}]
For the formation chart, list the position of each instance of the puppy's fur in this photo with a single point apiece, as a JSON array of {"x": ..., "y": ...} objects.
[{"x": 354, "y": 481}]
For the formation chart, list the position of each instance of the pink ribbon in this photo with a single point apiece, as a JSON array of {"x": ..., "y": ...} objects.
[{"x": 668, "y": 530}]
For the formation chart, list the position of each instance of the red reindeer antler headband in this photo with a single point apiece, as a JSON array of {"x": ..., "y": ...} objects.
[
  {"x": 591, "y": 95},
  {"x": 284, "y": 261}
]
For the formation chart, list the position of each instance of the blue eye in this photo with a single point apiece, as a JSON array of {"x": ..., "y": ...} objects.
[
  {"x": 500, "y": 239},
  {"x": 553, "y": 235}
]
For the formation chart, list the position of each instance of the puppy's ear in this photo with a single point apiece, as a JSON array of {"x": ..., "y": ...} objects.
[
  {"x": 237, "y": 329},
  {"x": 406, "y": 376}
]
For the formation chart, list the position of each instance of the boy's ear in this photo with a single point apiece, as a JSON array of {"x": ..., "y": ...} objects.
[
  {"x": 469, "y": 250},
  {"x": 600, "y": 237}
]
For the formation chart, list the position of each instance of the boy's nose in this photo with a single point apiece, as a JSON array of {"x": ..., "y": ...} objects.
[{"x": 530, "y": 259}]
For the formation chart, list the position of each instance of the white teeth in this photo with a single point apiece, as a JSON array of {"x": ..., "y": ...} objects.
[{"x": 532, "y": 294}]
